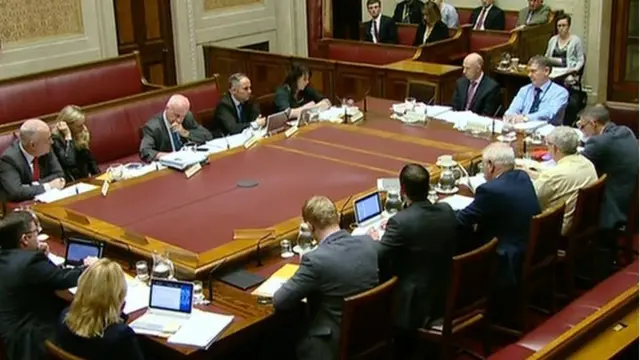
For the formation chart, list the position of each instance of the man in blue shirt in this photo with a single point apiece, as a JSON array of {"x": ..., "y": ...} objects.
[{"x": 542, "y": 99}]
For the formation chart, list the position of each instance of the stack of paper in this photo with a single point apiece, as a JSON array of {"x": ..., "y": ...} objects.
[
  {"x": 201, "y": 329},
  {"x": 137, "y": 295},
  {"x": 530, "y": 125},
  {"x": 435, "y": 110},
  {"x": 275, "y": 281},
  {"x": 55, "y": 259},
  {"x": 55, "y": 194},
  {"x": 182, "y": 159},
  {"x": 457, "y": 202}
]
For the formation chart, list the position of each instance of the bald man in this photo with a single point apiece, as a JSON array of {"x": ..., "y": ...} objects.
[
  {"x": 475, "y": 91},
  {"x": 28, "y": 167},
  {"x": 171, "y": 129}
]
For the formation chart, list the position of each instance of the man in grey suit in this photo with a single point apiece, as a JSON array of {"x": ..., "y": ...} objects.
[
  {"x": 28, "y": 167},
  {"x": 169, "y": 130},
  {"x": 536, "y": 13},
  {"x": 418, "y": 246},
  {"x": 613, "y": 150},
  {"x": 341, "y": 266}
]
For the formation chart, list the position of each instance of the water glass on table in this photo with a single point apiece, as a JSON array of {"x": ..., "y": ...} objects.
[
  {"x": 286, "y": 251},
  {"x": 142, "y": 271}
]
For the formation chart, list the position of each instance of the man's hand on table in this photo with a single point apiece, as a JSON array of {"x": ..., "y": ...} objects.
[
  {"x": 56, "y": 184},
  {"x": 160, "y": 154},
  {"x": 261, "y": 121},
  {"x": 515, "y": 119},
  {"x": 90, "y": 260}
]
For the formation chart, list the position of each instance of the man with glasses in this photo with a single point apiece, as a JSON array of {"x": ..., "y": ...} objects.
[
  {"x": 29, "y": 308},
  {"x": 28, "y": 167},
  {"x": 542, "y": 99}
]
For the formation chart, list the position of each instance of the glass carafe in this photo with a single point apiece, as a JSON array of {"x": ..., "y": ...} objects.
[{"x": 162, "y": 266}]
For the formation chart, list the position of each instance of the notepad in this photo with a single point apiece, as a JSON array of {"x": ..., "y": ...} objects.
[
  {"x": 55, "y": 194},
  {"x": 201, "y": 330},
  {"x": 458, "y": 202},
  {"x": 275, "y": 281}
]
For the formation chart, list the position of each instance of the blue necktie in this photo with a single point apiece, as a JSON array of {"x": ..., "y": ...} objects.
[
  {"x": 536, "y": 101},
  {"x": 240, "y": 113},
  {"x": 177, "y": 143}
]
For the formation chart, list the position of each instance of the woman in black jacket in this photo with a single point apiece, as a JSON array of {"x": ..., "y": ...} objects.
[
  {"x": 71, "y": 140},
  {"x": 432, "y": 29}
]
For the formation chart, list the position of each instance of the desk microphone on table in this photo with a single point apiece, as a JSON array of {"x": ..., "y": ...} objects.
[
  {"x": 430, "y": 102},
  {"x": 493, "y": 120},
  {"x": 210, "y": 276},
  {"x": 259, "y": 248}
]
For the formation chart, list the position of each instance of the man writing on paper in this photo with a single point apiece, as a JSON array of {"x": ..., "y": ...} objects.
[
  {"x": 475, "y": 91},
  {"x": 418, "y": 246},
  {"x": 169, "y": 130},
  {"x": 561, "y": 182},
  {"x": 28, "y": 167},
  {"x": 542, "y": 99},
  {"x": 341, "y": 266},
  {"x": 236, "y": 110}
]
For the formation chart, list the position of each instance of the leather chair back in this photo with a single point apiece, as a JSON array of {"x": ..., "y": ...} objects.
[
  {"x": 56, "y": 353},
  {"x": 422, "y": 91},
  {"x": 544, "y": 237},
  {"x": 362, "y": 334}
]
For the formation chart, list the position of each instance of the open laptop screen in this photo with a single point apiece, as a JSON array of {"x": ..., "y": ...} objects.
[
  {"x": 79, "y": 249},
  {"x": 367, "y": 207},
  {"x": 171, "y": 295}
]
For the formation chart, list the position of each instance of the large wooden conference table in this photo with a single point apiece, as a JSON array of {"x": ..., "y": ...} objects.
[{"x": 197, "y": 217}]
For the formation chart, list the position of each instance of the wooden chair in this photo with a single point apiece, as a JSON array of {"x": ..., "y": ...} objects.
[
  {"x": 367, "y": 324},
  {"x": 472, "y": 279},
  {"x": 422, "y": 91},
  {"x": 629, "y": 231},
  {"x": 583, "y": 233},
  {"x": 56, "y": 353}
]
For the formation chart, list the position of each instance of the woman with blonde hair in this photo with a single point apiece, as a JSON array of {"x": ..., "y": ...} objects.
[
  {"x": 93, "y": 327},
  {"x": 71, "y": 140},
  {"x": 432, "y": 28}
]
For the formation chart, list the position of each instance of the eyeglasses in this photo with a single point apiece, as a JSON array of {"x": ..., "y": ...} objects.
[{"x": 35, "y": 231}]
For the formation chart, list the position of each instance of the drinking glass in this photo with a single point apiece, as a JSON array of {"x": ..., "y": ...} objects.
[
  {"x": 433, "y": 196},
  {"x": 142, "y": 271},
  {"x": 198, "y": 295},
  {"x": 115, "y": 172},
  {"x": 286, "y": 251},
  {"x": 410, "y": 103}
]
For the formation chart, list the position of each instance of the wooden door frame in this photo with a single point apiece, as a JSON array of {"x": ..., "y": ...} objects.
[{"x": 618, "y": 53}]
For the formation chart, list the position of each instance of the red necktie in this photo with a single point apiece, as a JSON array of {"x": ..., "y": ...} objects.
[
  {"x": 36, "y": 169},
  {"x": 480, "y": 21},
  {"x": 470, "y": 93}
]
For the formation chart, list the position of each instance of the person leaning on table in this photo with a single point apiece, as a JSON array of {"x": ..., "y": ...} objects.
[
  {"x": 93, "y": 327},
  {"x": 296, "y": 94},
  {"x": 71, "y": 140}
]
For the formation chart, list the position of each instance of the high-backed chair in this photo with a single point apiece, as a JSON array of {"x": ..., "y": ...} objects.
[
  {"x": 365, "y": 336},
  {"x": 629, "y": 232},
  {"x": 467, "y": 301},
  {"x": 56, "y": 353},
  {"x": 583, "y": 233},
  {"x": 422, "y": 91}
]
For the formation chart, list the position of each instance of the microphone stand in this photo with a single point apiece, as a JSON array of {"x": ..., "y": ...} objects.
[
  {"x": 259, "y": 248},
  {"x": 210, "y": 277}
]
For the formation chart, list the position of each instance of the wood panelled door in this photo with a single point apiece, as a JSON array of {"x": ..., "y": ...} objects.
[
  {"x": 145, "y": 25},
  {"x": 623, "y": 62}
]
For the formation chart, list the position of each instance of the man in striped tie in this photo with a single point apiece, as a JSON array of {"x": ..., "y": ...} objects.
[{"x": 488, "y": 16}]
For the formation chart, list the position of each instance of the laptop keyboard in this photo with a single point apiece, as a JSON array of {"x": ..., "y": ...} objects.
[{"x": 142, "y": 325}]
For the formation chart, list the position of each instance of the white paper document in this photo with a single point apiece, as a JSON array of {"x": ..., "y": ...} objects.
[
  {"x": 55, "y": 259},
  {"x": 386, "y": 184},
  {"x": 468, "y": 121},
  {"x": 473, "y": 182},
  {"x": 269, "y": 287},
  {"x": 55, "y": 194},
  {"x": 457, "y": 202},
  {"x": 137, "y": 295},
  {"x": 183, "y": 159},
  {"x": 227, "y": 142},
  {"x": 529, "y": 125},
  {"x": 558, "y": 71},
  {"x": 435, "y": 110},
  {"x": 201, "y": 329}
]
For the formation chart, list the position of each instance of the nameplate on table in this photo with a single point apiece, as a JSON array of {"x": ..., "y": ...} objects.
[
  {"x": 250, "y": 142},
  {"x": 291, "y": 131},
  {"x": 135, "y": 238},
  {"x": 105, "y": 188},
  {"x": 192, "y": 170},
  {"x": 77, "y": 218}
]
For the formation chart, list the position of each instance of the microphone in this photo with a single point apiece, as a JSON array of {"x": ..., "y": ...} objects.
[
  {"x": 364, "y": 101},
  {"x": 493, "y": 120},
  {"x": 225, "y": 139},
  {"x": 210, "y": 276},
  {"x": 259, "y": 248},
  {"x": 430, "y": 102}
]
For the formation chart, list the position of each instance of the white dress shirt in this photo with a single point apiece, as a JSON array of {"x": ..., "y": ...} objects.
[
  {"x": 375, "y": 24},
  {"x": 483, "y": 17},
  {"x": 30, "y": 158}
]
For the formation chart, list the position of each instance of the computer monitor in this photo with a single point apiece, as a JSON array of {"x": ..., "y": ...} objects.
[
  {"x": 367, "y": 207},
  {"x": 277, "y": 122},
  {"x": 79, "y": 249},
  {"x": 171, "y": 295}
]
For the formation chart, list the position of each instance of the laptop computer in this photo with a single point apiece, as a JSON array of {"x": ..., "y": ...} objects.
[
  {"x": 277, "y": 122},
  {"x": 368, "y": 213},
  {"x": 79, "y": 249},
  {"x": 170, "y": 306}
]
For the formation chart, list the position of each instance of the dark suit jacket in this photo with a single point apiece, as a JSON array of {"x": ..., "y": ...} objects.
[
  {"x": 76, "y": 163},
  {"x": 503, "y": 208},
  {"x": 415, "y": 11},
  {"x": 615, "y": 153},
  {"x": 118, "y": 342},
  {"x": 341, "y": 266},
  {"x": 486, "y": 99},
  {"x": 156, "y": 138},
  {"x": 440, "y": 32},
  {"x": 540, "y": 16},
  {"x": 29, "y": 308},
  {"x": 387, "y": 33},
  {"x": 226, "y": 120},
  {"x": 418, "y": 246},
  {"x": 285, "y": 99},
  {"x": 494, "y": 20},
  {"x": 16, "y": 177}
]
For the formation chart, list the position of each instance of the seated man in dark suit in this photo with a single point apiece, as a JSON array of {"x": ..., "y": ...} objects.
[
  {"x": 408, "y": 12},
  {"x": 476, "y": 91},
  {"x": 29, "y": 167},
  {"x": 418, "y": 246},
  {"x": 487, "y": 17},
  {"x": 613, "y": 150},
  {"x": 535, "y": 14},
  {"x": 341, "y": 266},
  {"x": 169, "y": 130},
  {"x": 236, "y": 110},
  {"x": 381, "y": 28},
  {"x": 29, "y": 308},
  {"x": 502, "y": 208}
]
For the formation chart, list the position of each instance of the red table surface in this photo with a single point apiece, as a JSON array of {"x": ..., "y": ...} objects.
[{"x": 201, "y": 213}]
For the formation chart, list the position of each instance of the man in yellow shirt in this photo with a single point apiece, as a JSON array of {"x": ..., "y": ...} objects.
[{"x": 562, "y": 181}]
